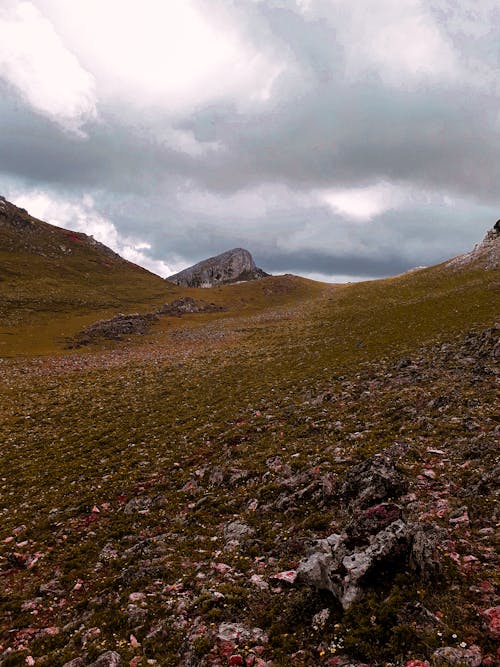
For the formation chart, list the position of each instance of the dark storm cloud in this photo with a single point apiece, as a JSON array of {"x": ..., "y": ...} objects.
[
  {"x": 112, "y": 156},
  {"x": 329, "y": 265}
]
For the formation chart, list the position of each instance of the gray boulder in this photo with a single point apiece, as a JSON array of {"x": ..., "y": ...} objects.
[
  {"x": 465, "y": 657},
  {"x": 373, "y": 481},
  {"x": 108, "y": 659},
  {"x": 348, "y": 570}
]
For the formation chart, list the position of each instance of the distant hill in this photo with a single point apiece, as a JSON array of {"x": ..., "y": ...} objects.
[
  {"x": 232, "y": 266},
  {"x": 47, "y": 269}
]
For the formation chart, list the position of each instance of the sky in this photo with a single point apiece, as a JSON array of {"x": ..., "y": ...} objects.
[{"x": 334, "y": 139}]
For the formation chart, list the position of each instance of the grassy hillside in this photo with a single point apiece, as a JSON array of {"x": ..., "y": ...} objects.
[
  {"x": 49, "y": 275},
  {"x": 125, "y": 467}
]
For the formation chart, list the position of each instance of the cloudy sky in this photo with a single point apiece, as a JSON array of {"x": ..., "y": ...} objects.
[{"x": 332, "y": 138}]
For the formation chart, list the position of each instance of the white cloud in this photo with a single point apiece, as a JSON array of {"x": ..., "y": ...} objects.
[
  {"x": 245, "y": 204},
  {"x": 172, "y": 55},
  {"x": 35, "y": 61},
  {"x": 399, "y": 40},
  {"x": 365, "y": 203},
  {"x": 81, "y": 216}
]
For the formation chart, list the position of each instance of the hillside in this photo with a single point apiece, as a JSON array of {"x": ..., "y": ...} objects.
[
  {"x": 49, "y": 275},
  {"x": 306, "y": 475}
]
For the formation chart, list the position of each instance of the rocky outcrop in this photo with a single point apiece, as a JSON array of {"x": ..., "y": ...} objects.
[
  {"x": 485, "y": 255},
  {"x": 114, "y": 329},
  {"x": 232, "y": 266},
  {"x": 188, "y": 306},
  {"x": 376, "y": 543}
]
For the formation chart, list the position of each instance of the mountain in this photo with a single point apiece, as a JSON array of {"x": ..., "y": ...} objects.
[
  {"x": 485, "y": 255},
  {"x": 47, "y": 271},
  {"x": 232, "y": 266}
]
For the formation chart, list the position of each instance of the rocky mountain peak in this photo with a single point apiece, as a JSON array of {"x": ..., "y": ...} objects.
[
  {"x": 232, "y": 266},
  {"x": 485, "y": 255}
]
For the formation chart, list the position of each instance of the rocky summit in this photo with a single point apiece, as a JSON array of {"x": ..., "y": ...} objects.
[
  {"x": 232, "y": 266},
  {"x": 485, "y": 255}
]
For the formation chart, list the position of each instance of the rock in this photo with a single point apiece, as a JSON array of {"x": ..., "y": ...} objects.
[
  {"x": 236, "y": 632},
  {"x": 373, "y": 481},
  {"x": 348, "y": 571},
  {"x": 492, "y": 618},
  {"x": 371, "y": 521},
  {"x": 424, "y": 555},
  {"x": 186, "y": 305},
  {"x": 386, "y": 549},
  {"x": 52, "y": 587},
  {"x": 236, "y": 532},
  {"x": 485, "y": 255},
  {"x": 229, "y": 267},
  {"x": 76, "y": 662},
  {"x": 138, "y": 505},
  {"x": 315, "y": 571},
  {"x": 114, "y": 329},
  {"x": 465, "y": 657},
  {"x": 108, "y": 659}
]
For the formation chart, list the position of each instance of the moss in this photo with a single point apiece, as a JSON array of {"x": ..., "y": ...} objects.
[
  {"x": 372, "y": 630},
  {"x": 202, "y": 646}
]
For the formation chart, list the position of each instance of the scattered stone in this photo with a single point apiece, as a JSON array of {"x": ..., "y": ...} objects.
[
  {"x": 373, "y": 481},
  {"x": 108, "y": 659},
  {"x": 465, "y": 657},
  {"x": 236, "y": 532},
  {"x": 288, "y": 576},
  {"x": 52, "y": 587},
  {"x": 139, "y": 505},
  {"x": 492, "y": 617},
  {"x": 186, "y": 306},
  {"x": 236, "y": 632}
]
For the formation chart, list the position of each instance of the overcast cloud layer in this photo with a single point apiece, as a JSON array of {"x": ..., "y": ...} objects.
[{"x": 332, "y": 138}]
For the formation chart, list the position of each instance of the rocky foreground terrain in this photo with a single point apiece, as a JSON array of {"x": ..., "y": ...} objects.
[
  {"x": 352, "y": 519},
  {"x": 294, "y": 474}
]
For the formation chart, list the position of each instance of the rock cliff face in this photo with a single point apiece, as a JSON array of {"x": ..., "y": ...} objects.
[
  {"x": 230, "y": 267},
  {"x": 486, "y": 254}
]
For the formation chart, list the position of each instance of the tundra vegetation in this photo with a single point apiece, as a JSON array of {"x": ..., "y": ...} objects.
[{"x": 301, "y": 474}]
